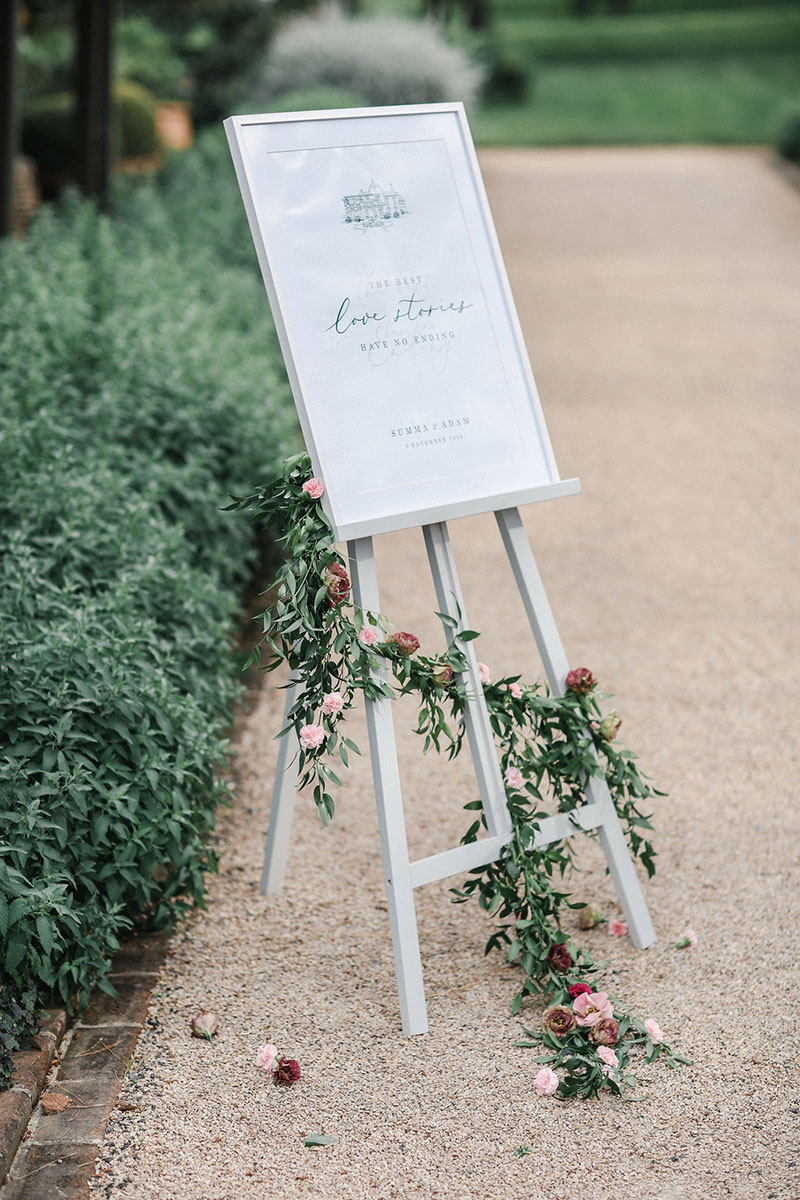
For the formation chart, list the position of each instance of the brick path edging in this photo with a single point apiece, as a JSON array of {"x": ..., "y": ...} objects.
[{"x": 56, "y": 1160}]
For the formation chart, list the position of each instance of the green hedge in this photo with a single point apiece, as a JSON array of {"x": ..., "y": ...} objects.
[{"x": 140, "y": 384}]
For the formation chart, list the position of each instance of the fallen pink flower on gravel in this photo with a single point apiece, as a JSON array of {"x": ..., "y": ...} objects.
[
  {"x": 654, "y": 1031},
  {"x": 286, "y": 1072},
  {"x": 617, "y": 928},
  {"x": 314, "y": 488},
  {"x": 591, "y": 1007},
  {"x": 205, "y": 1025},
  {"x": 687, "y": 939},
  {"x": 311, "y": 736},
  {"x": 266, "y": 1057},
  {"x": 333, "y": 704},
  {"x": 608, "y": 1056},
  {"x": 484, "y": 674},
  {"x": 545, "y": 1082},
  {"x": 514, "y": 778}
]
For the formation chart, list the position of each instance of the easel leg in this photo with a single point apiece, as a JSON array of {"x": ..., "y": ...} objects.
[
  {"x": 284, "y": 793},
  {"x": 388, "y": 795},
  {"x": 556, "y": 666}
]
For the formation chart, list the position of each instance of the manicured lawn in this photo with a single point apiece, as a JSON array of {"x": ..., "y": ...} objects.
[{"x": 724, "y": 99}]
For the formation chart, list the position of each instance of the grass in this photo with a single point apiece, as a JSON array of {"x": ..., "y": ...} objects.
[{"x": 730, "y": 99}]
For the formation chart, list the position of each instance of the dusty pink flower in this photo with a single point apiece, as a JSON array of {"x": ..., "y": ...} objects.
[
  {"x": 579, "y": 989},
  {"x": 608, "y": 1056},
  {"x": 337, "y": 583},
  {"x": 515, "y": 691},
  {"x": 514, "y": 777},
  {"x": 266, "y": 1057},
  {"x": 558, "y": 1020},
  {"x": 591, "y": 1007},
  {"x": 333, "y": 704},
  {"x": 484, "y": 674},
  {"x": 605, "y": 1032},
  {"x": 580, "y": 680},
  {"x": 407, "y": 643},
  {"x": 609, "y": 726},
  {"x": 314, "y": 488},
  {"x": 369, "y": 636},
  {"x": 559, "y": 958},
  {"x": 617, "y": 928},
  {"x": 205, "y": 1025},
  {"x": 311, "y": 736},
  {"x": 687, "y": 939},
  {"x": 654, "y": 1031},
  {"x": 287, "y": 1071},
  {"x": 545, "y": 1083},
  {"x": 442, "y": 673}
]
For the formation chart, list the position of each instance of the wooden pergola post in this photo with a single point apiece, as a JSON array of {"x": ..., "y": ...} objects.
[
  {"x": 94, "y": 20},
  {"x": 8, "y": 113}
]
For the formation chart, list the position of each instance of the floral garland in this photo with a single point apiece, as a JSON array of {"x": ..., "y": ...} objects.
[{"x": 548, "y": 746}]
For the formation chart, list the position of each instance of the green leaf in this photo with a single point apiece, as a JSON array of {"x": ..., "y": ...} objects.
[{"x": 318, "y": 1139}]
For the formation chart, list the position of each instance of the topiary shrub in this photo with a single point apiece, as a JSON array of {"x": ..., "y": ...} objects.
[
  {"x": 789, "y": 137},
  {"x": 386, "y": 59},
  {"x": 508, "y": 78}
]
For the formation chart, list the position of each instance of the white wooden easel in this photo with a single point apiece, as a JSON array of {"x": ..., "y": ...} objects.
[{"x": 401, "y": 875}]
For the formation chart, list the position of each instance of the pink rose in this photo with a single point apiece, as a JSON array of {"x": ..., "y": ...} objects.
[
  {"x": 483, "y": 672},
  {"x": 515, "y": 691},
  {"x": 368, "y": 636},
  {"x": 545, "y": 1082},
  {"x": 591, "y": 1007},
  {"x": 608, "y": 1056},
  {"x": 266, "y": 1057},
  {"x": 333, "y": 704},
  {"x": 514, "y": 778},
  {"x": 337, "y": 583},
  {"x": 617, "y": 928},
  {"x": 311, "y": 736},
  {"x": 580, "y": 680},
  {"x": 653, "y": 1031},
  {"x": 406, "y": 643},
  {"x": 313, "y": 488}
]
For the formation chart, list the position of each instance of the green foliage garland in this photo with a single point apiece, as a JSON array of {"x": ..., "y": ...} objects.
[{"x": 548, "y": 747}]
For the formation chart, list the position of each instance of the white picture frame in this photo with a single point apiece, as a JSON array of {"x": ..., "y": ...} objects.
[{"x": 392, "y": 305}]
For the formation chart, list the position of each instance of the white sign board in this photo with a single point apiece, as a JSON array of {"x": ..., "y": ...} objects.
[{"x": 392, "y": 305}]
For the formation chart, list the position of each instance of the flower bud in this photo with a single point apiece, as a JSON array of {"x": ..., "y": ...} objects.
[
  {"x": 205, "y": 1025},
  {"x": 589, "y": 916},
  {"x": 609, "y": 726}
]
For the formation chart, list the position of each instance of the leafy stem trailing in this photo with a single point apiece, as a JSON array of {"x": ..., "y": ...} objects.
[{"x": 549, "y": 745}]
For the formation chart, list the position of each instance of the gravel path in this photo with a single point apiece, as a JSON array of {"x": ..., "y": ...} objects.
[{"x": 658, "y": 290}]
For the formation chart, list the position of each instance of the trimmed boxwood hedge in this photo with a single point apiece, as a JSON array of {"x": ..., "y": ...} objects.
[{"x": 140, "y": 384}]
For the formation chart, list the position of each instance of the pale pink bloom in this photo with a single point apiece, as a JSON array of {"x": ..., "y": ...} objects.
[
  {"x": 483, "y": 672},
  {"x": 591, "y": 1007},
  {"x": 655, "y": 1033},
  {"x": 333, "y": 704},
  {"x": 514, "y": 777},
  {"x": 314, "y": 488},
  {"x": 617, "y": 928},
  {"x": 368, "y": 636},
  {"x": 311, "y": 736},
  {"x": 690, "y": 937},
  {"x": 608, "y": 1056},
  {"x": 546, "y": 1082},
  {"x": 515, "y": 690},
  {"x": 266, "y": 1057}
]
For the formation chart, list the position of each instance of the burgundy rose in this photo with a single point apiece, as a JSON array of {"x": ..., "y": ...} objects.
[
  {"x": 559, "y": 1020},
  {"x": 580, "y": 680},
  {"x": 579, "y": 989},
  {"x": 442, "y": 673},
  {"x": 605, "y": 1032},
  {"x": 337, "y": 583},
  {"x": 286, "y": 1072},
  {"x": 559, "y": 958},
  {"x": 406, "y": 642}
]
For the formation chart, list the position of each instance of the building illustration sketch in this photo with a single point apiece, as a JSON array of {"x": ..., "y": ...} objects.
[{"x": 374, "y": 207}]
